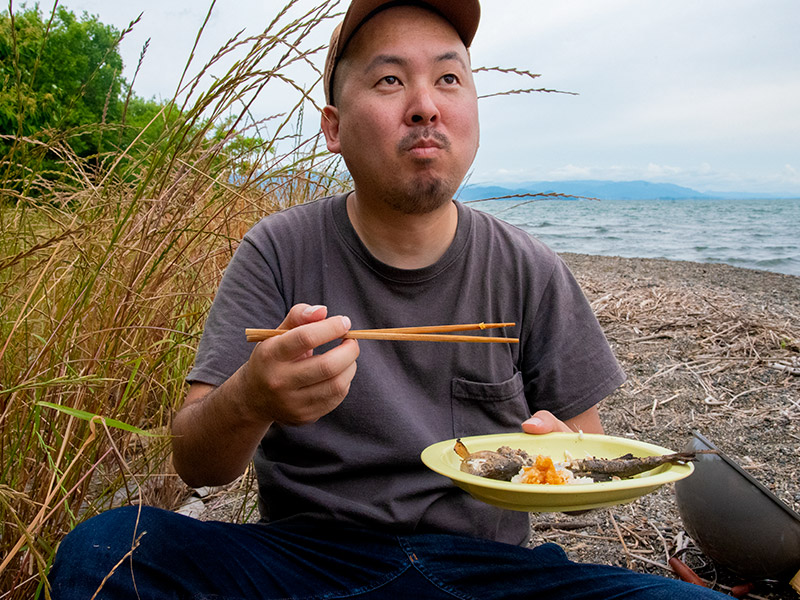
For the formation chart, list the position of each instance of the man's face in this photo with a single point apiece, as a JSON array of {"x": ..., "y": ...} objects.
[{"x": 406, "y": 115}]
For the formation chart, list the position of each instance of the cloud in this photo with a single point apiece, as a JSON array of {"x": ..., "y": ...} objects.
[{"x": 702, "y": 92}]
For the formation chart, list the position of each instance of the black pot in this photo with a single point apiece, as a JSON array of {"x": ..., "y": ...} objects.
[{"x": 735, "y": 520}]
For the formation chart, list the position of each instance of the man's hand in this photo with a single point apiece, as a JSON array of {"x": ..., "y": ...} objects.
[
  {"x": 217, "y": 431},
  {"x": 284, "y": 382},
  {"x": 543, "y": 421}
]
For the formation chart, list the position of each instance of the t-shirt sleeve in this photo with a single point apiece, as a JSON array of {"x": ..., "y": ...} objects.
[
  {"x": 574, "y": 367},
  {"x": 248, "y": 296}
]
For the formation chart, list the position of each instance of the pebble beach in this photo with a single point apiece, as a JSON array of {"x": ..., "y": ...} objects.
[{"x": 706, "y": 347}]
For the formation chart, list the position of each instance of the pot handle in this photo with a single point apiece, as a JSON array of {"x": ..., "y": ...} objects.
[{"x": 685, "y": 572}]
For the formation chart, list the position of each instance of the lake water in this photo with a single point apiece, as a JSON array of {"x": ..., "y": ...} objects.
[{"x": 756, "y": 234}]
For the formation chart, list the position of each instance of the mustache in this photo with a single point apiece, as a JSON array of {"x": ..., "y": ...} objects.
[{"x": 411, "y": 139}]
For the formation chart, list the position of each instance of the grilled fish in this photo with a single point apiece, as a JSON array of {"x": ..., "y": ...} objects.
[
  {"x": 501, "y": 465},
  {"x": 627, "y": 465}
]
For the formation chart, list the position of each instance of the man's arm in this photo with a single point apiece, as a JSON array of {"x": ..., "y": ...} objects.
[
  {"x": 217, "y": 431},
  {"x": 545, "y": 422}
]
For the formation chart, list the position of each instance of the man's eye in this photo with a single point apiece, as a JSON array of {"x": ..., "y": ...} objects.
[
  {"x": 391, "y": 80},
  {"x": 449, "y": 79}
]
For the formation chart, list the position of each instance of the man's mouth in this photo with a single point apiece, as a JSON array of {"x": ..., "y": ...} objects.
[{"x": 424, "y": 143}]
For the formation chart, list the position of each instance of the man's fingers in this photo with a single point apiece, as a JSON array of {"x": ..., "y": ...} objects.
[
  {"x": 300, "y": 340},
  {"x": 325, "y": 396},
  {"x": 325, "y": 367},
  {"x": 314, "y": 387}
]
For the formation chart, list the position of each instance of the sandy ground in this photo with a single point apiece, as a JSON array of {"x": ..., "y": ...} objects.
[{"x": 706, "y": 347}]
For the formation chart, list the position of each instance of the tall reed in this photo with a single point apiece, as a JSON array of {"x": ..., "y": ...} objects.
[{"x": 107, "y": 270}]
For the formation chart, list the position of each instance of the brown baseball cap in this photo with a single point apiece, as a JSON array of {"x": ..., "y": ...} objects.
[{"x": 463, "y": 15}]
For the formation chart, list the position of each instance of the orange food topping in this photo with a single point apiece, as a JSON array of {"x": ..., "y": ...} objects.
[{"x": 542, "y": 471}]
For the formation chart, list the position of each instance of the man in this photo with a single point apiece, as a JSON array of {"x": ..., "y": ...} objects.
[{"x": 336, "y": 427}]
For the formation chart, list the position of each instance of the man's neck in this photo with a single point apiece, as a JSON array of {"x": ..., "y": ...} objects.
[{"x": 400, "y": 240}]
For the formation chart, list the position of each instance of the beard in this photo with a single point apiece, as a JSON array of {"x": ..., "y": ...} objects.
[
  {"x": 420, "y": 196},
  {"x": 425, "y": 192}
]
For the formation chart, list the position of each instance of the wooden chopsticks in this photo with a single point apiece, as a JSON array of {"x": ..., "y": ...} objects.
[{"x": 431, "y": 333}]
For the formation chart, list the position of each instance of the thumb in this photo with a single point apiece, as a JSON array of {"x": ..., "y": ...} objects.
[{"x": 544, "y": 421}]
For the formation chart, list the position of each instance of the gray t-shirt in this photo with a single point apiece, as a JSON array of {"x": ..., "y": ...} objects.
[{"x": 361, "y": 464}]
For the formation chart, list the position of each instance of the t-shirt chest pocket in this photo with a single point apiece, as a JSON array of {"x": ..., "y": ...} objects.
[{"x": 481, "y": 408}]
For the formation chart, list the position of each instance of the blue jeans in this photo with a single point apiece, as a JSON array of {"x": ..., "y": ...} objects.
[{"x": 179, "y": 557}]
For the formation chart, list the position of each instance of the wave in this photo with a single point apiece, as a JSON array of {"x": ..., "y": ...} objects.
[{"x": 769, "y": 263}]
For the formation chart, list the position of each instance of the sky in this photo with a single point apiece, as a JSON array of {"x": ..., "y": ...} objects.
[{"x": 699, "y": 93}]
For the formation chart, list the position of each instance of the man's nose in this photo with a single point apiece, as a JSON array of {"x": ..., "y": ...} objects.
[{"x": 422, "y": 109}]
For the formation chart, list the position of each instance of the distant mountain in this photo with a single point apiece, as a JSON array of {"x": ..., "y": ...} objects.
[{"x": 604, "y": 190}]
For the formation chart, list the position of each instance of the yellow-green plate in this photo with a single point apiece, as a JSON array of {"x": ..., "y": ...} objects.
[{"x": 532, "y": 497}]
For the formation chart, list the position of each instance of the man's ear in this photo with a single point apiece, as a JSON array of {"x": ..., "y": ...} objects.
[{"x": 330, "y": 127}]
